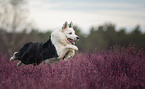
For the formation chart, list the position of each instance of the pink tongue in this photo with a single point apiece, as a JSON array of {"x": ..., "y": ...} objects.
[{"x": 72, "y": 41}]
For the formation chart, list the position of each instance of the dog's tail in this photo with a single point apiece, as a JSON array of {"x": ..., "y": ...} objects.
[{"x": 14, "y": 57}]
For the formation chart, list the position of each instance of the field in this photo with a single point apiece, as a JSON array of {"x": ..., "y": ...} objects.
[{"x": 117, "y": 68}]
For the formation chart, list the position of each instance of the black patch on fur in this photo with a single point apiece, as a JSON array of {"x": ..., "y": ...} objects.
[{"x": 35, "y": 53}]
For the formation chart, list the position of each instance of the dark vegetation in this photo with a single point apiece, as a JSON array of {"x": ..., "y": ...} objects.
[
  {"x": 106, "y": 36},
  {"x": 101, "y": 38},
  {"x": 118, "y": 68}
]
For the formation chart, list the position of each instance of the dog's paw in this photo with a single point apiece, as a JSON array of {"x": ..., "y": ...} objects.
[
  {"x": 75, "y": 48},
  {"x": 72, "y": 54}
]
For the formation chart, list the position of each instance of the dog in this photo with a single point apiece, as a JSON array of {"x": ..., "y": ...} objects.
[{"x": 60, "y": 45}]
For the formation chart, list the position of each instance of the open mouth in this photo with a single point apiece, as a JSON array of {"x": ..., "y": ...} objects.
[{"x": 71, "y": 41}]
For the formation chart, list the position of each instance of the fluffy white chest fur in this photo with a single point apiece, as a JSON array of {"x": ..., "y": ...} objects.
[{"x": 63, "y": 40}]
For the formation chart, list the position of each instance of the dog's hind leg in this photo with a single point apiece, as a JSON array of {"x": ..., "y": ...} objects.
[
  {"x": 14, "y": 56},
  {"x": 51, "y": 60},
  {"x": 19, "y": 63}
]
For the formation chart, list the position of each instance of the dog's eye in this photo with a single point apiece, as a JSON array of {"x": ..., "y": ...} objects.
[{"x": 70, "y": 33}]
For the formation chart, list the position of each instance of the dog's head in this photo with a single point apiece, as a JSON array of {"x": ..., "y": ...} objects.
[{"x": 69, "y": 32}]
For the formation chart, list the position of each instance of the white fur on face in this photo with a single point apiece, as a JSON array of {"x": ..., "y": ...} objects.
[
  {"x": 65, "y": 47},
  {"x": 70, "y": 33}
]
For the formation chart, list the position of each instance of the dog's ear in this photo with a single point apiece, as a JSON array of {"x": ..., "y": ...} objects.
[
  {"x": 71, "y": 25},
  {"x": 65, "y": 25}
]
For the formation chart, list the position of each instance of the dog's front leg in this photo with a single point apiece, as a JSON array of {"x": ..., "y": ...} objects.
[
  {"x": 69, "y": 54},
  {"x": 66, "y": 49},
  {"x": 62, "y": 53},
  {"x": 72, "y": 47}
]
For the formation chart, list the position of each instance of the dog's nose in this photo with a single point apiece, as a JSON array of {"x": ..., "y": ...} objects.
[{"x": 77, "y": 38}]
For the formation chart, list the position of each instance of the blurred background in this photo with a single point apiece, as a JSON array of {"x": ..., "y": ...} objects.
[{"x": 101, "y": 24}]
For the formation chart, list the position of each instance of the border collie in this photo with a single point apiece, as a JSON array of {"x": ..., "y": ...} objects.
[{"x": 60, "y": 45}]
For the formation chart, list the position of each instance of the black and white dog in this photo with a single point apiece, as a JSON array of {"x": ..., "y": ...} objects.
[{"x": 61, "y": 45}]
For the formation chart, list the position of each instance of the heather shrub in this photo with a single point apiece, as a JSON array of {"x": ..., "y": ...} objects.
[{"x": 118, "y": 68}]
